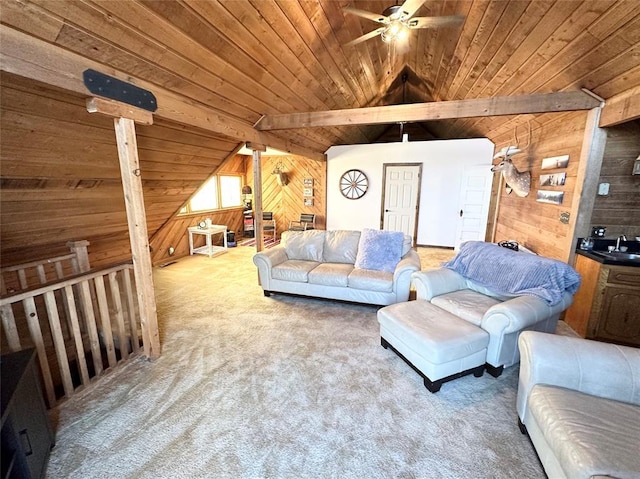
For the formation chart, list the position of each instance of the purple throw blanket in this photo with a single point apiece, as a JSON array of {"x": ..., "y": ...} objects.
[{"x": 511, "y": 272}]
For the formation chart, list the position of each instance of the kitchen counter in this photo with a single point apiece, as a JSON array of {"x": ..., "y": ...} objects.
[
  {"x": 604, "y": 258},
  {"x": 601, "y": 255}
]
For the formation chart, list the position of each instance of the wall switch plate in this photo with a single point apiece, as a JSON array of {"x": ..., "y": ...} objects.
[{"x": 603, "y": 189}]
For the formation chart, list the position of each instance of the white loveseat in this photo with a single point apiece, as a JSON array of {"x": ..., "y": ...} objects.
[
  {"x": 322, "y": 264},
  {"x": 579, "y": 401}
]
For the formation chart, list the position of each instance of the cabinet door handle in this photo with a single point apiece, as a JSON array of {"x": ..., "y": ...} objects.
[{"x": 26, "y": 442}]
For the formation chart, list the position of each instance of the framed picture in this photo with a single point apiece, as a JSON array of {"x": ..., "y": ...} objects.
[
  {"x": 555, "y": 162},
  {"x": 551, "y": 197},
  {"x": 308, "y": 182},
  {"x": 307, "y": 192},
  {"x": 308, "y": 201},
  {"x": 553, "y": 179}
]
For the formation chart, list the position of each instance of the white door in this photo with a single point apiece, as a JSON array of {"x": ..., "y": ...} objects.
[
  {"x": 400, "y": 202},
  {"x": 475, "y": 194}
]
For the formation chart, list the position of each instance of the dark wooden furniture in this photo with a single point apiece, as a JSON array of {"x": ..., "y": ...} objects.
[
  {"x": 607, "y": 305},
  {"x": 27, "y": 437}
]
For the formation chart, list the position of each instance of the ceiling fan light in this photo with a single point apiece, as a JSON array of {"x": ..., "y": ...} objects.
[{"x": 396, "y": 31}]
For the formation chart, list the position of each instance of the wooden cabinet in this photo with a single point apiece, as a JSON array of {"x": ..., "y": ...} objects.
[
  {"x": 607, "y": 306},
  {"x": 27, "y": 437}
]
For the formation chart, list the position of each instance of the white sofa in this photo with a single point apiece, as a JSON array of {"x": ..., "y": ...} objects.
[
  {"x": 503, "y": 315},
  {"x": 322, "y": 264},
  {"x": 579, "y": 401}
]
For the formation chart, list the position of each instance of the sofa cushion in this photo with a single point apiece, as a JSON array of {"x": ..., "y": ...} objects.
[
  {"x": 466, "y": 304},
  {"x": 341, "y": 246},
  {"x": 304, "y": 245},
  {"x": 379, "y": 250},
  {"x": 331, "y": 274},
  {"x": 589, "y": 435},
  {"x": 371, "y": 280},
  {"x": 293, "y": 270}
]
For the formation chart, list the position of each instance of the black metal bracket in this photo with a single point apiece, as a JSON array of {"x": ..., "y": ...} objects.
[{"x": 115, "y": 89}]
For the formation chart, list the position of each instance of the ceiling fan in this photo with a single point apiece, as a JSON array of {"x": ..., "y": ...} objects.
[{"x": 397, "y": 21}]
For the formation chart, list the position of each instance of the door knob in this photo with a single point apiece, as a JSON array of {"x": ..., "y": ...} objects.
[{"x": 387, "y": 211}]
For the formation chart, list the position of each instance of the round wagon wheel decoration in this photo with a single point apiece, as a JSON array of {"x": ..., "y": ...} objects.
[{"x": 353, "y": 184}]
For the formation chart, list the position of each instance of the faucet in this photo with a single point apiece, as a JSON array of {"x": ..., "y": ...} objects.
[{"x": 621, "y": 237}]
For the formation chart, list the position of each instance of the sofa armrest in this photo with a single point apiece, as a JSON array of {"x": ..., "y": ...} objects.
[
  {"x": 435, "y": 282},
  {"x": 267, "y": 259},
  {"x": 517, "y": 314},
  {"x": 409, "y": 264},
  {"x": 592, "y": 367}
]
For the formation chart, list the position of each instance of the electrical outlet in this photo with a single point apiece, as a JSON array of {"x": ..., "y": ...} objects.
[{"x": 603, "y": 189}]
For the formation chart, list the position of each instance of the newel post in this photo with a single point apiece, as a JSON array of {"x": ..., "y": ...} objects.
[{"x": 79, "y": 249}]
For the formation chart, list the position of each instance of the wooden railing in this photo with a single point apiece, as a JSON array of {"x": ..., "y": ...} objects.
[
  {"x": 23, "y": 276},
  {"x": 100, "y": 324}
]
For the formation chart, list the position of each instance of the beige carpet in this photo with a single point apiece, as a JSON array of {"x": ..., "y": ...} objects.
[{"x": 280, "y": 387}]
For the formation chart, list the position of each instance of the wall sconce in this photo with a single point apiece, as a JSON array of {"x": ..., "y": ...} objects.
[{"x": 281, "y": 176}]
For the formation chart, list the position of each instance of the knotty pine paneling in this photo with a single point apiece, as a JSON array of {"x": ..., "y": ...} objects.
[
  {"x": 286, "y": 202},
  {"x": 531, "y": 223},
  {"x": 619, "y": 211},
  {"x": 60, "y": 175}
]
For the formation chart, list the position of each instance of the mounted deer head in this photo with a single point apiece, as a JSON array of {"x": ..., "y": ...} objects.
[{"x": 519, "y": 182}]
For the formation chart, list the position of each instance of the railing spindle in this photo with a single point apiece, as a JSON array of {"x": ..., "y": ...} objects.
[
  {"x": 33, "y": 322},
  {"x": 135, "y": 343},
  {"x": 117, "y": 305},
  {"x": 10, "y": 329},
  {"x": 90, "y": 321},
  {"x": 58, "y": 342},
  {"x": 77, "y": 335},
  {"x": 105, "y": 321}
]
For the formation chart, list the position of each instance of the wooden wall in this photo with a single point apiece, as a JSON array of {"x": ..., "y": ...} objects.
[
  {"x": 287, "y": 202},
  {"x": 533, "y": 224},
  {"x": 60, "y": 175},
  {"x": 174, "y": 232},
  {"x": 619, "y": 211}
]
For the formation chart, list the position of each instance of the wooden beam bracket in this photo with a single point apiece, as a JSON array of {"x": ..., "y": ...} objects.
[{"x": 115, "y": 89}]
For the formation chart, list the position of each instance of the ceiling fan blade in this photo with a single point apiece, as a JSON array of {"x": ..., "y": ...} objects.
[
  {"x": 434, "y": 22},
  {"x": 365, "y": 37},
  {"x": 375, "y": 17},
  {"x": 410, "y": 7}
]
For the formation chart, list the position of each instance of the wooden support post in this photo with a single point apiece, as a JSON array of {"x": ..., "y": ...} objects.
[
  {"x": 584, "y": 195},
  {"x": 124, "y": 122},
  {"x": 138, "y": 235},
  {"x": 257, "y": 193},
  {"x": 79, "y": 249}
]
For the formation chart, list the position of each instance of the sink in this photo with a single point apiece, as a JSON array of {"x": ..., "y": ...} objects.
[{"x": 619, "y": 255}]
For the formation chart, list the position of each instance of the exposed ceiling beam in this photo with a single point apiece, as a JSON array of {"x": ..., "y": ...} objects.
[
  {"x": 29, "y": 57},
  {"x": 621, "y": 108},
  {"x": 441, "y": 110}
]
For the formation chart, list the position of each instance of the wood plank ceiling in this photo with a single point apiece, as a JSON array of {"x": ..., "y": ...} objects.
[
  {"x": 250, "y": 58},
  {"x": 255, "y": 57}
]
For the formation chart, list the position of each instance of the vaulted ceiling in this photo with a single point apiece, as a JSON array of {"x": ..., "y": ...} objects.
[
  {"x": 218, "y": 67},
  {"x": 250, "y": 58}
]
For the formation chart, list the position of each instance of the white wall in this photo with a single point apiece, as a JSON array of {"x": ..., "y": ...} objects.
[{"x": 443, "y": 163}]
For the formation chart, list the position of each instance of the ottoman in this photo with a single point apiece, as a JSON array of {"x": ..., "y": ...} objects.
[{"x": 434, "y": 342}]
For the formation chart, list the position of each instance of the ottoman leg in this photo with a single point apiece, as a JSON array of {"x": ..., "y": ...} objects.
[
  {"x": 432, "y": 386},
  {"x": 479, "y": 371},
  {"x": 495, "y": 371},
  {"x": 384, "y": 343}
]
